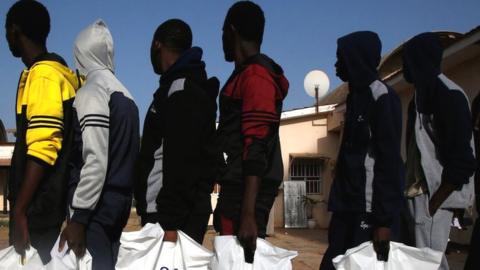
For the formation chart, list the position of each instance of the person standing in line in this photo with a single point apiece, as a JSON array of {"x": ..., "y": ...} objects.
[
  {"x": 367, "y": 192},
  {"x": 248, "y": 132},
  {"x": 473, "y": 259},
  {"x": 440, "y": 152},
  {"x": 106, "y": 147},
  {"x": 45, "y": 94},
  {"x": 176, "y": 168}
]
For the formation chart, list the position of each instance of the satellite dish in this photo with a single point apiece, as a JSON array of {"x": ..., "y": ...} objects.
[{"x": 316, "y": 84}]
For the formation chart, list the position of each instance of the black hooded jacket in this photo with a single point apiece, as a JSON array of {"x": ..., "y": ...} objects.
[
  {"x": 476, "y": 135},
  {"x": 443, "y": 107},
  {"x": 181, "y": 121},
  {"x": 369, "y": 174}
]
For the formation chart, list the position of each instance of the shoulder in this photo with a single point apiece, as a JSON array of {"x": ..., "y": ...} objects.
[
  {"x": 90, "y": 97},
  {"x": 449, "y": 84},
  {"x": 451, "y": 95},
  {"x": 185, "y": 87},
  {"x": 256, "y": 77},
  {"x": 378, "y": 89},
  {"x": 177, "y": 86},
  {"x": 256, "y": 72},
  {"x": 453, "y": 100},
  {"x": 45, "y": 72},
  {"x": 386, "y": 99}
]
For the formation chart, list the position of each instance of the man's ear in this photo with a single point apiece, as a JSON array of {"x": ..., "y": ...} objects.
[
  {"x": 234, "y": 35},
  {"x": 157, "y": 44},
  {"x": 233, "y": 29},
  {"x": 15, "y": 30}
]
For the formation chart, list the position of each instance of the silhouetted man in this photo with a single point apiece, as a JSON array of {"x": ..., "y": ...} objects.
[
  {"x": 248, "y": 133},
  {"x": 46, "y": 90},
  {"x": 176, "y": 167},
  {"x": 439, "y": 137},
  {"x": 473, "y": 259},
  {"x": 367, "y": 192}
]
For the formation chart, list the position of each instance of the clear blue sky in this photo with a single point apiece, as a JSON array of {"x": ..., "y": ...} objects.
[{"x": 299, "y": 35}]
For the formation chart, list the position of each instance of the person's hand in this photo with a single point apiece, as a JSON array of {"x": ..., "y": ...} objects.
[
  {"x": 437, "y": 199},
  {"x": 247, "y": 236},
  {"x": 74, "y": 235},
  {"x": 21, "y": 240},
  {"x": 170, "y": 236},
  {"x": 381, "y": 243}
]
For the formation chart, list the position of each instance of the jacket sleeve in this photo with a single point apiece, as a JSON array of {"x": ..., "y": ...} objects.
[
  {"x": 145, "y": 193},
  {"x": 45, "y": 120},
  {"x": 410, "y": 128},
  {"x": 181, "y": 146},
  {"x": 455, "y": 136},
  {"x": 93, "y": 114},
  {"x": 259, "y": 118},
  {"x": 388, "y": 179}
]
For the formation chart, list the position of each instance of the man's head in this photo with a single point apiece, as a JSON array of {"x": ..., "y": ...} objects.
[
  {"x": 245, "y": 21},
  {"x": 422, "y": 59},
  {"x": 27, "y": 21},
  {"x": 358, "y": 56},
  {"x": 171, "y": 39}
]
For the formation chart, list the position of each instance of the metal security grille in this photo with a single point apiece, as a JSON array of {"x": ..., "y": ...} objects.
[{"x": 308, "y": 170}]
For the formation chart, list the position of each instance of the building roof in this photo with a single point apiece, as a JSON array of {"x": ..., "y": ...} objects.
[
  {"x": 305, "y": 112},
  {"x": 391, "y": 64}
]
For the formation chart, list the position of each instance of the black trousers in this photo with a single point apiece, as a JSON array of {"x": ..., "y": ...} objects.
[
  {"x": 229, "y": 205},
  {"x": 473, "y": 259},
  {"x": 348, "y": 230}
]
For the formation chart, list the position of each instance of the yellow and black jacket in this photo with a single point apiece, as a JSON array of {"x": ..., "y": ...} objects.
[{"x": 45, "y": 95}]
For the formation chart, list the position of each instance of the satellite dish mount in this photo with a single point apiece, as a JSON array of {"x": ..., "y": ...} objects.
[{"x": 316, "y": 85}]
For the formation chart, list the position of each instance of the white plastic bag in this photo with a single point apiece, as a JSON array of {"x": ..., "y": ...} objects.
[
  {"x": 229, "y": 255},
  {"x": 400, "y": 257},
  {"x": 66, "y": 260},
  {"x": 11, "y": 260},
  {"x": 146, "y": 250}
]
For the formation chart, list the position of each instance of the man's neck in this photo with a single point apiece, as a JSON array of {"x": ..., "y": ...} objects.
[
  {"x": 169, "y": 60},
  {"x": 244, "y": 51},
  {"x": 31, "y": 53}
]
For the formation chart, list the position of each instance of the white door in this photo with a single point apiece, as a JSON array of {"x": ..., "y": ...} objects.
[{"x": 294, "y": 194}]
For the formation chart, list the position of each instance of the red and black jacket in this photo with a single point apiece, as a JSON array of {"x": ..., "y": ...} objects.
[{"x": 250, "y": 107}]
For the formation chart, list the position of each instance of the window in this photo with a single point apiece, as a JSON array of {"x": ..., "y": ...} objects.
[{"x": 308, "y": 170}]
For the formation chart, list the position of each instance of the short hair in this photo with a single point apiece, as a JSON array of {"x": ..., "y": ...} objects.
[
  {"x": 175, "y": 34},
  {"x": 248, "y": 19},
  {"x": 33, "y": 19}
]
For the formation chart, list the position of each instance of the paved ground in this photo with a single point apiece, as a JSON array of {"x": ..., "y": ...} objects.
[{"x": 310, "y": 244}]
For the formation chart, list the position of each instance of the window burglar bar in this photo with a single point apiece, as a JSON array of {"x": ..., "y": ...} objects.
[{"x": 310, "y": 171}]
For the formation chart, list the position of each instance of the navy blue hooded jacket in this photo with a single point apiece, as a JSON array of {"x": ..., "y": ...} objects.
[
  {"x": 369, "y": 174},
  {"x": 440, "y": 116}
]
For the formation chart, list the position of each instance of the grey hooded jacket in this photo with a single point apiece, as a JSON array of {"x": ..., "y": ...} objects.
[
  {"x": 439, "y": 122},
  {"x": 107, "y": 130}
]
